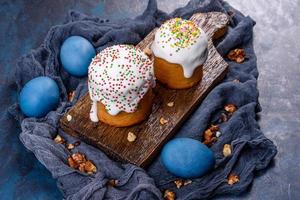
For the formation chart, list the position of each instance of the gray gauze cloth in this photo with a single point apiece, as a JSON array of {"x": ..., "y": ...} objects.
[{"x": 251, "y": 150}]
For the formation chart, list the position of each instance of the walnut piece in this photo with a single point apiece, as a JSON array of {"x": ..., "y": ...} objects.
[
  {"x": 59, "y": 140},
  {"x": 131, "y": 137},
  {"x": 178, "y": 183},
  {"x": 237, "y": 55},
  {"x": 227, "y": 150},
  {"x": 163, "y": 121},
  {"x": 169, "y": 195},
  {"x": 230, "y": 108},
  {"x": 210, "y": 135},
  {"x": 78, "y": 157},
  {"x": 81, "y": 167},
  {"x": 72, "y": 163},
  {"x": 71, "y": 96},
  {"x": 78, "y": 161},
  {"x": 214, "y": 128},
  {"x": 112, "y": 182},
  {"x": 89, "y": 167},
  {"x": 232, "y": 179}
]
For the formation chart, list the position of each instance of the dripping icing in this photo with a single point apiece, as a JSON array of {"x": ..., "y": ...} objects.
[
  {"x": 93, "y": 112},
  {"x": 119, "y": 77}
]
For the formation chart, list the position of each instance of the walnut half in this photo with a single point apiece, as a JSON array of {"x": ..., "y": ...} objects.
[{"x": 237, "y": 55}]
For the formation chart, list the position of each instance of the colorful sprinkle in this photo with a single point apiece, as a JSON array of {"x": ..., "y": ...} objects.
[{"x": 184, "y": 32}]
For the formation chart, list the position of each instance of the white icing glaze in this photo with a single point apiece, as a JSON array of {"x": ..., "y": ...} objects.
[
  {"x": 93, "y": 112},
  {"x": 182, "y": 42},
  {"x": 119, "y": 77}
]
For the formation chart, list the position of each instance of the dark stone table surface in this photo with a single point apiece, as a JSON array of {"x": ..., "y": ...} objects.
[{"x": 24, "y": 24}]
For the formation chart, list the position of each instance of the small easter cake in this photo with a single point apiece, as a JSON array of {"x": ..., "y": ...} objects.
[
  {"x": 180, "y": 49},
  {"x": 120, "y": 82}
]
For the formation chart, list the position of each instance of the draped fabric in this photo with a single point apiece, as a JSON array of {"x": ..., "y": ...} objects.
[{"x": 251, "y": 150}]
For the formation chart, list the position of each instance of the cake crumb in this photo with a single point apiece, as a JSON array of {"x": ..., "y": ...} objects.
[
  {"x": 163, "y": 121},
  {"x": 69, "y": 118},
  {"x": 170, "y": 104},
  {"x": 59, "y": 140},
  {"x": 131, "y": 137},
  {"x": 227, "y": 150},
  {"x": 70, "y": 146}
]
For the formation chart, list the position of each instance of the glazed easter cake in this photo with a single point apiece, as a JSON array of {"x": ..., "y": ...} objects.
[
  {"x": 120, "y": 81},
  {"x": 180, "y": 49}
]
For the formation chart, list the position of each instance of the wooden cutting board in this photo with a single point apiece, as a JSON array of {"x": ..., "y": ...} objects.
[{"x": 151, "y": 135}]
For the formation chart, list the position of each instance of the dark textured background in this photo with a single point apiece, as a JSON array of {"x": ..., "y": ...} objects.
[{"x": 24, "y": 24}]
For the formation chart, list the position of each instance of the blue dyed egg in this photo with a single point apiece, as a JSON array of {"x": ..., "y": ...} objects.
[
  {"x": 187, "y": 158},
  {"x": 76, "y": 54},
  {"x": 39, "y": 96}
]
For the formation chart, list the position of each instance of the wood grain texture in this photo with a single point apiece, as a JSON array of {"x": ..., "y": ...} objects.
[{"x": 151, "y": 135}]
